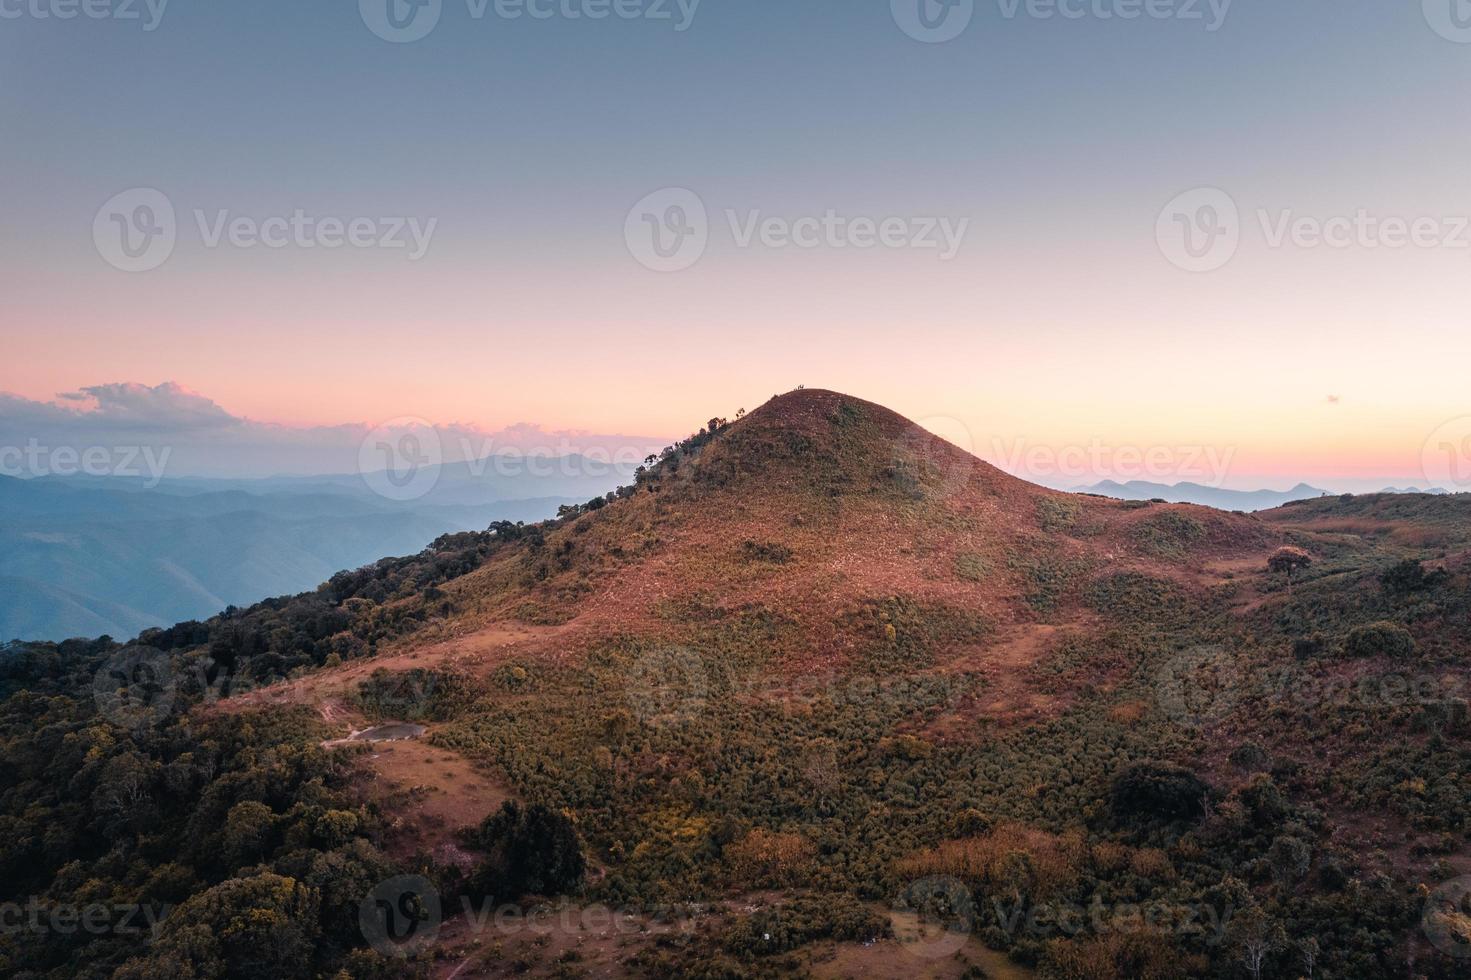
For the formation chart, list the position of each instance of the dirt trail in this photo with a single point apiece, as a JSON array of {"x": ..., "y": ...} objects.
[
  {"x": 332, "y": 690},
  {"x": 426, "y": 793}
]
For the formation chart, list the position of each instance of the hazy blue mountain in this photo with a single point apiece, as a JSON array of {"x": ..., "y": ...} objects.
[
  {"x": 1195, "y": 493},
  {"x": 86, "y": 556}
]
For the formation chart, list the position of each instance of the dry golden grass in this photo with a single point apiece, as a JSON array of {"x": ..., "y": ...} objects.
[{"x": 1011, "y": 856}]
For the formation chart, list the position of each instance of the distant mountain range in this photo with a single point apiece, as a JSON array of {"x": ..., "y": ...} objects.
[
  {"x": 85, "y": 556},
  {"x": 1196, "y": 493}
]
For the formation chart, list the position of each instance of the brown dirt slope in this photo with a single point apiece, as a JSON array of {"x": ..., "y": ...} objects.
[{"x": 818, "y": 503}]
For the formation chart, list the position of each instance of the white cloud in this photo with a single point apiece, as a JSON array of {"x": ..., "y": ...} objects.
[{"x": 204, "y": 439}]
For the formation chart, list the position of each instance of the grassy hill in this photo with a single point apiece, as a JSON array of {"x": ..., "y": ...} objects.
[{"x": 818, "y": 694}]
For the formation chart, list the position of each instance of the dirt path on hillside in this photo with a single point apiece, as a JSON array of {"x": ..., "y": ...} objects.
[
  {"x": 426, "y": 793},
  {"x": 332, "y": 690},
  {"x": 1010, "y": 696}
]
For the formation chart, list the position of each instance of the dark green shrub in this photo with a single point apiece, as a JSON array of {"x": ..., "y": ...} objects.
[
  {"x": 1251, "y": 757},
  {"x": 1170, "y": 534},
  {"x": 766, "y": 551},
  {"x": 1409, "y": 577},
  {"x": 1158, "y": 791},
  {"x": 529, "y": 851},
  {"x": 1310, "y": 646},
  {"x": 1382, "y": 639}
]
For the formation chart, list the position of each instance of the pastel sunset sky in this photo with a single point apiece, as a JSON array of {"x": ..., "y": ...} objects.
[{"x": 1064, "y": 318}]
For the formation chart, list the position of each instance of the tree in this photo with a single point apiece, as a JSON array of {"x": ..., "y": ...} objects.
[
  {"x": 247, "y": 833},
  {"x": 1307, "y": 953},
  {"x": 1256, "y": 936},
  {"x": 1159, "y": 790},
  {"x": 1264, "y": 802},
  {"x": 1291, "y": 858},
  {"x": 532, "y": 850},
  {"x": 1286, "y": 561},
  {"x": 247, "y": 928}
]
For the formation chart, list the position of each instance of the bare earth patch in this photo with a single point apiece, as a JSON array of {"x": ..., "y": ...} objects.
[{"x": 427, "y": 795}]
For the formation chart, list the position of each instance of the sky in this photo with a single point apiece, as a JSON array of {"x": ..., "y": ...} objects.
[{"x": 1072, "y": 231}]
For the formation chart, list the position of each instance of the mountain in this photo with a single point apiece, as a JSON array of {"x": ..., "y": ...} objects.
[
  {"x": 84, "y": 558},
  {"x": 818, "y": 693},
  {"x": 492, "y": 479},
  {"x": 1195, "y": 493}
]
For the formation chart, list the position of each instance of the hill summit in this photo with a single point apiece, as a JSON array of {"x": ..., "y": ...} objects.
[
  {"x": 818, "y": 511},
  {"x": 818, "y": 503}
]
